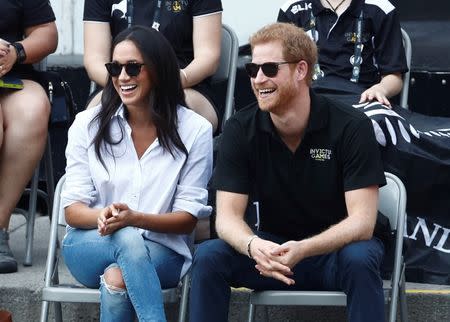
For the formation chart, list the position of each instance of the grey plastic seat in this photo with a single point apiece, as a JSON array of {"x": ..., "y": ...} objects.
[
  {"x": 227, "y": 68},
  {"x": 392, "y": 203},
  {"x": 58, "y": 293}
]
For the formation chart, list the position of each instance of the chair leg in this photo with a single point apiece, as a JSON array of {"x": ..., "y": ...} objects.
[
  {"x": 266, "y": 314},
  {"x": 184, "y": 298},
  {"x": 49, "y": 176},
  {"x": 31, "y": 218},
  {"x": 44, "y": 311},
  {"x": 251, "y": 312},
  {"x": 402, "y": 297},
  {"x": 58, "y": 312}
]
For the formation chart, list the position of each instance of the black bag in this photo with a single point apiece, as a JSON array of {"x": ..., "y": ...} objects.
[{"x": 61, "y": 98}]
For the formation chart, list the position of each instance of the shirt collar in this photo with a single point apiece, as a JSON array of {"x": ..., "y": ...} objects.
[
  {"x": 120, "y": 112},
  {"x": 318, "y": 117},
  {"x": 354, "y": 8}
]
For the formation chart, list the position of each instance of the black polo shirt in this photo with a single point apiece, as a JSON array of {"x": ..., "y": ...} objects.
[
  {"x": 299, "y": 194},
  {"x": 383, "y": 51}
]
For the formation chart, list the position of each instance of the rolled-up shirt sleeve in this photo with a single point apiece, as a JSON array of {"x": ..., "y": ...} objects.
[
  {"x": 191, "y": 193},
  {"x": 79, "y": 186}
]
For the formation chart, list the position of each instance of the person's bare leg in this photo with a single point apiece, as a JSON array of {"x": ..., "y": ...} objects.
[
  {"x": 200, "y": 104},
  {"x": 25, "y": 123}
]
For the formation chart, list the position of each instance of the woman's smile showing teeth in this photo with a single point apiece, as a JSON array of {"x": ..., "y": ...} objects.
[{"x": 127, "y": 88}]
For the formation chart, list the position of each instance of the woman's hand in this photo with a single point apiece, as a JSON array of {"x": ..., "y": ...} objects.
[{"x": 115, "y": 217}]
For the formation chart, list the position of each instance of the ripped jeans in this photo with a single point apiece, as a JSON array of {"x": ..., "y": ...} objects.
[{"x": 146, "y": 268}]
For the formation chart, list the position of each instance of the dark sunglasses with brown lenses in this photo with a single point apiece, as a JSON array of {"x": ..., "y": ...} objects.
[
  {"x": 270, "y": 69},
  {"x": 132, "y": 68}
]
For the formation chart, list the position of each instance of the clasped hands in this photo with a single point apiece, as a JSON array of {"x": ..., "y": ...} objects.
[
  {"x": 114, "y": 217},
  {"x": 274, "y": 260}
]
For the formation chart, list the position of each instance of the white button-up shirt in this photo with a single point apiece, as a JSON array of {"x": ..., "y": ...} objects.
[{"x": 156, "y": 183}]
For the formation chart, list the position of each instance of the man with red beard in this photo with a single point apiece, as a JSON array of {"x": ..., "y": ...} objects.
[{"x": 310, "y": 169}]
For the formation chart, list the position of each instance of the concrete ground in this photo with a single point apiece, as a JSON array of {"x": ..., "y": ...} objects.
[{"x": 20, "y": 292}]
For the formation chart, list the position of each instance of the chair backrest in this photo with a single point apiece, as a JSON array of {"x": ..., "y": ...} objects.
[
  {"x": 406, "y": 77},
  {"x": 58, "y": 209},
  {"x": 392, "y": 201},
  {"x": 227, "y": 68}
]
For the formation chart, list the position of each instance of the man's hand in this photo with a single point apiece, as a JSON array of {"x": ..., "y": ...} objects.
[
  {"x": 376, "y": 92},
  {"x": 115, "y": 217},
  {"x": 267, "y": 264},
  {"x": 288, "y": 254}
]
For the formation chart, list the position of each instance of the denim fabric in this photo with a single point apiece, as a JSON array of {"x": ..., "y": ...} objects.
[
  {"x": 353, "y": 269},
  {"x": 146, "y": 267}
]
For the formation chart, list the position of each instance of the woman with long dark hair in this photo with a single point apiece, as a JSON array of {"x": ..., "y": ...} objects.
[{"x": 137, "y": 169}]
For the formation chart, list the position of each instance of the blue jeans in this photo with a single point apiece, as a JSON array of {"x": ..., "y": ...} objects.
[
  {"x": 353, "y": 269},
  {"x": 146, "y": 267}
]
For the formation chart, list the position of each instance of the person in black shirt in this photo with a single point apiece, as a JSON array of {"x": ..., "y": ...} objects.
[
  {"x": 370, "y": 69},
  {"x": 311, "y": 168},
  {"x": 27, "y": 35},
  {"x": 193, "y": 28}
]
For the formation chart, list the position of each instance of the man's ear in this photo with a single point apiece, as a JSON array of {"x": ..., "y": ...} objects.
[{"x": 302, "y": 70}]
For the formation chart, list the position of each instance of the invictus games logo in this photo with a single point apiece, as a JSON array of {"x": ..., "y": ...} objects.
[
  {"x": 320, "y": 154},
  {"x": 176, "y": 5}
]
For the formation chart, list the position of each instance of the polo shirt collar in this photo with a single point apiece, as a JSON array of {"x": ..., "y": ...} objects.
[
  {"x": 317, "y": 7},
  {"x": 318, "y": 117},
  {"x": 354, "y": 8}
]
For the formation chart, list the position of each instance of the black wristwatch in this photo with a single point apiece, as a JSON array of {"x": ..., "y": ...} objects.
[{"x": 21, "y": 54}]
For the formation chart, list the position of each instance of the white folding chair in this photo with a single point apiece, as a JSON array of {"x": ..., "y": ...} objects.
[
  {"x": 406, "y": 77},
  {"x": 33, "y": 191},
  {"x": 392, "y": 203},
  {"x": 57, "y": 293}
]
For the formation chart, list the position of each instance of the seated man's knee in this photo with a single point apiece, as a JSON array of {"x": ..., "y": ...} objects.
[
  {"x": 210, "y": 255},
  {"x": 113, "y": 279}
]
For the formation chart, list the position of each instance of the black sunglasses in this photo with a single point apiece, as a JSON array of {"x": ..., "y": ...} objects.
[
  {"x": 269, "y": 69},
  {"x": 132, "y": 68}
]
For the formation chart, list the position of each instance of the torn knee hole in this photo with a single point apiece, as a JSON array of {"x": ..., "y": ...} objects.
[{"x": 112, "y": 289}]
